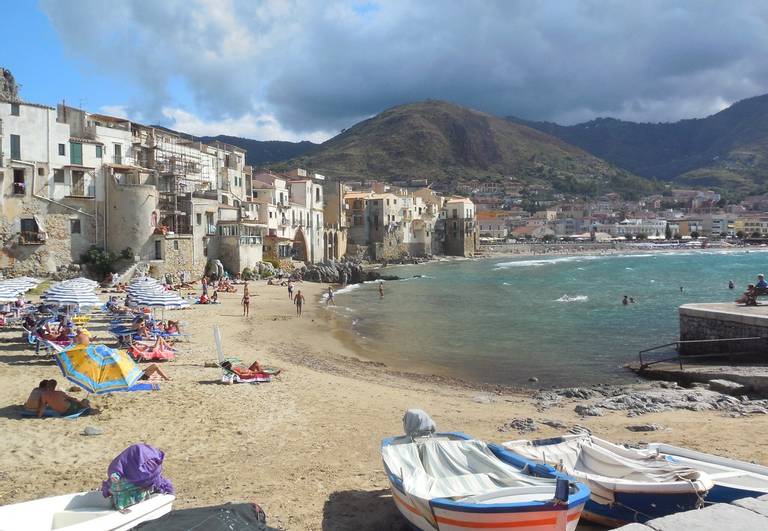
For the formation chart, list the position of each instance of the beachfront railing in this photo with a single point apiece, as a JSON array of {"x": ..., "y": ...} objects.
[{"x": 678, "y": 358}]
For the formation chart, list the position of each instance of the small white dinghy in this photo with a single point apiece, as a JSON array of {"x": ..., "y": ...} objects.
[{"x": 82, "y": 511}]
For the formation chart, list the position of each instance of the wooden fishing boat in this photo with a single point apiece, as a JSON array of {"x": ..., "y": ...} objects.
[
  {"x": 451, "y": 482},
  {"x": 732, "y": 479},
  {"x": 82, "y": 511},
  {"x": 627, "y": 485}
]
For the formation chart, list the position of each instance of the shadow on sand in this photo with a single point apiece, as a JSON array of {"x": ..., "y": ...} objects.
[{"x": 360, "y": 510}]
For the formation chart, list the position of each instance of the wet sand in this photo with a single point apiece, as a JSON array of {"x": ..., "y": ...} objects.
[{"x": 306, "y": 446}]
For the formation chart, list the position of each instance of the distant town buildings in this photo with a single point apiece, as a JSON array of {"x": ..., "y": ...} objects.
[{"x": 73, "y": 180}]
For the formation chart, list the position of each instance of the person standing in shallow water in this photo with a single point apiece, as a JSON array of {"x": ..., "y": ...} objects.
[
  {"x": 381, "y": 289},
  {"x": 290, "y": 290},
  {"x": 298, "y": 300}
]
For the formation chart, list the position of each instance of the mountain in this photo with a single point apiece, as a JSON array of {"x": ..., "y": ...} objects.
[
  {"x": 441, "y": 141},
  {"x": 728, "y": 150},
  {"x": 260, "y": 152}
]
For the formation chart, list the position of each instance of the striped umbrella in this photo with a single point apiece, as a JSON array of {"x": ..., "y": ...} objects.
[
  {"x": 8, "y": 294},
  {"x": 98, "y": 368},
  {"x": 163, "y": 299},
  {"x": 69, "y": 293}
]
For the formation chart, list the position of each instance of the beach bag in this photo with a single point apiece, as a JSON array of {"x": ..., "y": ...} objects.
[{"x": 125, "y": 494}]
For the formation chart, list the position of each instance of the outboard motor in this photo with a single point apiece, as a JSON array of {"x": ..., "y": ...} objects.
[{"x": 416, "y": 423}]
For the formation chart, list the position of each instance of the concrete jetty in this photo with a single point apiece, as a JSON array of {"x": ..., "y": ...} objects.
[
  {"x": 722, "y": 344},
  {"x": 747, "y": 514}
]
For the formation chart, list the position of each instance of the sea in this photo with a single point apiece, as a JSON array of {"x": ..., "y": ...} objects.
[{"x": 558, "y": 319}]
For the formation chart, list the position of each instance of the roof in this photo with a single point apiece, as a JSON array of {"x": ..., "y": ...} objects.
[
  {"x": 459, "y": 200},
  {"x": 106, "y": 118},
  {"x": 19, "y": 102}
]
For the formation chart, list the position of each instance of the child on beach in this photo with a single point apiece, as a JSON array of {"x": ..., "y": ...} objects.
[
  {"x": 290, "y": 289},
  {"x": 298, "y": 300},
  {"x": 330, "y": 300}
]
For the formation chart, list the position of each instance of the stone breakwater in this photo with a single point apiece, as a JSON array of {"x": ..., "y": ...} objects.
[
  {"x": 341, "y": 273},
  {"x": 654, "y": 397}
]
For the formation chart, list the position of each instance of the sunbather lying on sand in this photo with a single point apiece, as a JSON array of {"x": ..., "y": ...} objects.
[
  {"x": 59, "y": 401},
  {"x": 153, "y": 373},
  {"x": 254, "y": 371}
]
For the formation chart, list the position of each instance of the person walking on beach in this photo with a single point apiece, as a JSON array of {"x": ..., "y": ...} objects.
[
  {"x": 381, "y": 289},
  {"x": 246, "y": 301},
  {"x": 298, "y": 300},
  {"x": 330, "y": 300},
  {"x": 290, "y": 289}
]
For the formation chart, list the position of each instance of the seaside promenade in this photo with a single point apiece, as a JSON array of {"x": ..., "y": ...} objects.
[{"x": 306, "y": 446}]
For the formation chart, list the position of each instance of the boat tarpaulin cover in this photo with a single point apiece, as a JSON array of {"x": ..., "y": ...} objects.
[
  {"x": 608, "y": 468},
  {"x": 417, "y": 423},
  {"x": 227, "y": 517},
  {"x": 437, "y": 468}
]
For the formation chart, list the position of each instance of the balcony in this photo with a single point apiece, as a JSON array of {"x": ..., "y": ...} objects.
[
  {"x": 250, "y": 240},
  {"x": 32, "y": 238},
  {"x": 211, "y": 229}
]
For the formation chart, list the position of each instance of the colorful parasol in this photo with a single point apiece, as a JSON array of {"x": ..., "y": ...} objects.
[{"x": 97, "y": 368}]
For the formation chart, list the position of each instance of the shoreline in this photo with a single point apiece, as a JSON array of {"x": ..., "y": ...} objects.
[{"x": 305, "y": 446}]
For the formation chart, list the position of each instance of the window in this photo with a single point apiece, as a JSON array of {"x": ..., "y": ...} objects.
[
  {"x": 41, "y": 171},
  {"x": 19, "y": 184},
  {"x": 78, "y": 184},
  {"x": 62, "y": 150},
  {"x": 199, "y": 218},
  {"x": 28, "y": 225},
  {"x": 175, "y": 245},
  {"x": 15, "y": 109},
  {"x": 119, "y": 154},
  {"x": 74, "y": 226},
  {"x": 99, "y": 152},
  {"x": 76, "y": 153},
  {"x": 58, "y": 176},
  {"x": 317, "y": 194},
  {"x": 158, "y": 250},
  {"x": 15, "y": 147}
]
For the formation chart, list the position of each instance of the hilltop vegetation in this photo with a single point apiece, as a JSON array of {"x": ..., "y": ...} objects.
[
  {"x": 444, "y": 142},
  {"x": 728, "y": 150}
]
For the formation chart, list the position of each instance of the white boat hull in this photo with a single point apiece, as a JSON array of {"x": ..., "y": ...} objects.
[
  {"x": 454, "y": 520},
  {"x": 82, "y": 511}
]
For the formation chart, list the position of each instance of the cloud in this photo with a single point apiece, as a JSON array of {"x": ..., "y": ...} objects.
[
  {"x": 247, "y": 126},
  {"x": 304, "y": 69}
]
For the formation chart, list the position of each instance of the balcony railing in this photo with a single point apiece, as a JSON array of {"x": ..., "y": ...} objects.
[
  {"x": 32, "y": 237},
  {"x": 211, "y": 229},
  {"x": 250, "y": 240}
]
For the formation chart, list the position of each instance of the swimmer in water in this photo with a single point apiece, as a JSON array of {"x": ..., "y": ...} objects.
[
  {"x": 731, "y": 284},
  {"x": 625, "y": 300},
  {"x": 381, "y": 289}
]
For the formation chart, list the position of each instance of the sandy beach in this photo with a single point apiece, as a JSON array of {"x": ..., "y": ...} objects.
[{"x": 305, "y": 446}]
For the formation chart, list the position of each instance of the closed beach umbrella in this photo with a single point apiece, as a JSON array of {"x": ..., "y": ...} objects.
[
  {"x": 97, "y": 368},
  {"x": 164, "y": 299}
]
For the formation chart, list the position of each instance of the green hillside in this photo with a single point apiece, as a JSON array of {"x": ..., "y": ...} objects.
[
  {"x": 444, "y": 142},
  {"x": 728, "y": 150}
]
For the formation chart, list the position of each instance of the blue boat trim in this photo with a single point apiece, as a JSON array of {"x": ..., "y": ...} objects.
[{"x": 579, "y": 496}]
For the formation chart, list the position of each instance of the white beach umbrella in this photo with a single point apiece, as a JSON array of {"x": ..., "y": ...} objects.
[
  {"x": 72, "y": 293},
  {"x": 166, "y": 299},
  {"x": 9, "y": 294}
]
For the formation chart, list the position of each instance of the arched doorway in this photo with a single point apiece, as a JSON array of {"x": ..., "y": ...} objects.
[
  {"x": 325, "y": 246},
  {"x": 299, "y": 251},
  {"x": 335, "y": 245}
]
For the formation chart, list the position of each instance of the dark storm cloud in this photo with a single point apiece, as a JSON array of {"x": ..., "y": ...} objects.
[{"x": 324, "y": 65}]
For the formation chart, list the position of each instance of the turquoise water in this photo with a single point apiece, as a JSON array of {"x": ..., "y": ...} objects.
[{"x": 557, "y": 318}]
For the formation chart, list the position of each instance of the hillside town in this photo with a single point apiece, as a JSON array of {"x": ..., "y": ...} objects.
[{"x": 75, "y": 181}]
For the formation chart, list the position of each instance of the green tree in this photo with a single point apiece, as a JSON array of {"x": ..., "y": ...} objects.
[
  {"x": 740, "y": 234},
  {"x": 548, "y": 238},
  {"x": 695, "y": 235},
  {"x": 668, "y": 232},
  {"x": 642, "y": 236},
  {"x": 677, "y": 236},
  {"x": 756, "y": 234}
]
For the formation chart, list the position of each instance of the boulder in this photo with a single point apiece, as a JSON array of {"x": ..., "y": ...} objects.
[{"x": 728, "y": 387}]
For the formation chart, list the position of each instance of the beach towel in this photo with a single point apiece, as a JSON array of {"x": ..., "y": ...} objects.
[{"x": 48, "y": 412}]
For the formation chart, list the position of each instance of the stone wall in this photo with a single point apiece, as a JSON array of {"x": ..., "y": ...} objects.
[
  {"x": 698, "y": 324},
  {"x": 178, "y": 255}
]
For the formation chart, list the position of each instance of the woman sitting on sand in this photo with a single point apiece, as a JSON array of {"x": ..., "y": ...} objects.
[{"x": 33, "y": 401}]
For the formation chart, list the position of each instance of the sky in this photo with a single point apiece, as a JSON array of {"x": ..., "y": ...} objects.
[{"x": 304, "y": 70}]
